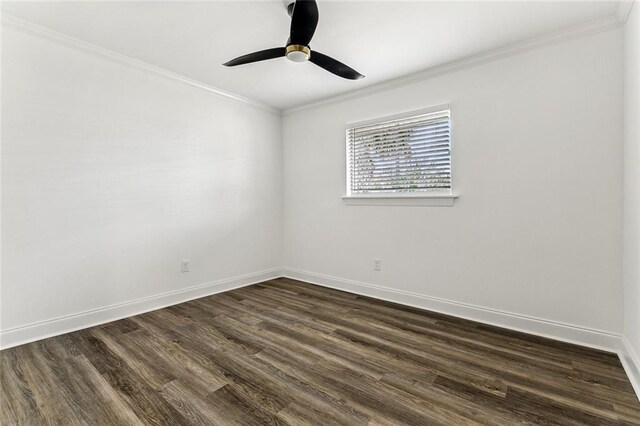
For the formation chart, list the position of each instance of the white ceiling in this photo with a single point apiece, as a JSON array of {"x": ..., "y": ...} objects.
[{"x": 381, "y": 39}]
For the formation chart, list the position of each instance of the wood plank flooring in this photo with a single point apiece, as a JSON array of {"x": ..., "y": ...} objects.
[{"x": 290, "y": 353}]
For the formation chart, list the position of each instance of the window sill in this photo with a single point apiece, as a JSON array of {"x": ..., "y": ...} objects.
[{"x": 437, "y": 200}]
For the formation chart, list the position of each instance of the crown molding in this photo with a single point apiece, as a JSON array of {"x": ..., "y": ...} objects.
[
  {"x": 624, "y": 10},
  {"x": 54, "y": 36},
  {"x": 586, "y": 29},
  {"x": 575, "y": 32}
]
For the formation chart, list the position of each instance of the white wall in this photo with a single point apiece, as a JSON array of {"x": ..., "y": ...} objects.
[
  {"x": 631, "y": 253},
  {"x": 537, "y": 163},
  {"x": 111, "y": 175}
]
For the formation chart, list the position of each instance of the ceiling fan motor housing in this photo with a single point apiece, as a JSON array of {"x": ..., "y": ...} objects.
[{"x": 297, "y": 53}]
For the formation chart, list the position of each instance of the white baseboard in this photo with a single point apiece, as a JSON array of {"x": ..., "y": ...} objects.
[
  {"x": 554, "y": 330},
  {"x": 631, "y": 363},
  {"x": 56, "y": 326},
  {"x": 583, "y": 336}
]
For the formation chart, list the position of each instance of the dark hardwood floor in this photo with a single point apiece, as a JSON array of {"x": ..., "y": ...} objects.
[{"x": 286, "y": 352}]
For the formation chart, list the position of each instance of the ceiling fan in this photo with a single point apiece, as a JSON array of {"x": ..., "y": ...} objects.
[{"x": 304, "y": 19}]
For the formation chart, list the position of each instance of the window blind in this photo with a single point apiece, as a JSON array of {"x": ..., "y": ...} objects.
[{"x": 411, "y": 154}]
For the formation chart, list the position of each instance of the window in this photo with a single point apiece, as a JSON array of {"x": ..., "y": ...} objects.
[{"x": 399, "y": 157}]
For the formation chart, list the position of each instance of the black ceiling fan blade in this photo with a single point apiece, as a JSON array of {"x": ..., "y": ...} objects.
[
  {"x": 334, "y": 66},
  {"x": 304, "y": 21},
  {"x": 262, "y": 55}
]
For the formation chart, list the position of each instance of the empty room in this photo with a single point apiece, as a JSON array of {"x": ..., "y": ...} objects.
[{"x": 320, "y": 212}]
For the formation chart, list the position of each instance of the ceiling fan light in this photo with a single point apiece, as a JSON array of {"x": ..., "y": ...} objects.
[{"x": 297, "y": 53}]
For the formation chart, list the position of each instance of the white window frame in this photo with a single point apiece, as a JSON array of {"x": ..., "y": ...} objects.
[{"x": 417, "y": 198}]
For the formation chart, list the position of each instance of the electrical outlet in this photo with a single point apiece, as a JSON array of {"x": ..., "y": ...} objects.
[
  {"x": 377, "y": 264},
  {"x": 185, "y": 265}
]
